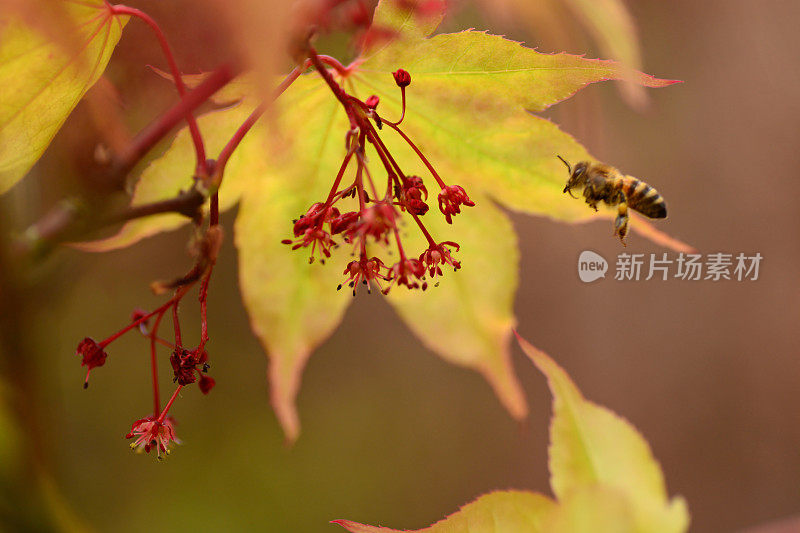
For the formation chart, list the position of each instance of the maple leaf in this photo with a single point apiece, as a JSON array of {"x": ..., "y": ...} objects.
[
  {"x": 470, "y": 110},
  {"x": 609, "y": 22},
  {"x": 42, "y": 80},
  {"x": 602, "y": 472}
]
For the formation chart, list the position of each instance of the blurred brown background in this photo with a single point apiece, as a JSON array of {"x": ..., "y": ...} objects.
[{"x": 392, "y": 435}]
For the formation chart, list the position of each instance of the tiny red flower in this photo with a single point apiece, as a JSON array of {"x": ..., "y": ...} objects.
[
  {"x": 372, "y": 102},
  {"x": 185, "y": 365},
  {"x": 150, "y": 434},
  {"x": 375, "y": 221},
  {"x": 308, "y": 229},
  {"x": 92, "y": 356},
  {"x": 344, "y": 222},
  {"x": 402, "y": 78},
  {"x": 316, "y": 216},
  {"x": 315, "y": 238},
  {"x": 412, "y": 195},
  {"x": 439, "y": 254},
  {"x": 403, "y": 273},
  {"x": 364, "y": 271},
  {"x": 451, "y": 199}
]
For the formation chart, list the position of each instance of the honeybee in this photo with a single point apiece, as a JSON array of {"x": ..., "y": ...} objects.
[{"x": 603, "y": 183}]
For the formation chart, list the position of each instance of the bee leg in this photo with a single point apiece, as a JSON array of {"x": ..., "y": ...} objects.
[
  {"x": 590, "y": 196},
  {"x": 621, "y": 222}
]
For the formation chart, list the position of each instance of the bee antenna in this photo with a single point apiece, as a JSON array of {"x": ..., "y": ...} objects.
[
  {"x": 564, "y": 161},
  {"x": 569, "y": 167}
]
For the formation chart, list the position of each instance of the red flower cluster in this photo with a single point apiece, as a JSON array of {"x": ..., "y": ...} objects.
[
  {"x": 380, "y": 207},
  {"x": 157, "y": 430}
]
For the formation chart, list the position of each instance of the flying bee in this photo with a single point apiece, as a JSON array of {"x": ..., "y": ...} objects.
[{"x": 604, "y": 183}]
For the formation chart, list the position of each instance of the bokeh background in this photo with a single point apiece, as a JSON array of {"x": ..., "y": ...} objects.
[{"x": 392, "y": 435}]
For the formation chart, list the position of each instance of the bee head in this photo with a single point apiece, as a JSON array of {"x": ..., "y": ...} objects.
[{"x": 577, "y": 175}]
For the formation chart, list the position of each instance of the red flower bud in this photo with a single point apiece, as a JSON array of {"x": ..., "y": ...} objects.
[
  {"x": 402, "y": 78},
  {"x": 372, "y": 102},
  {"x": 413, "y": 190},
  {"x": 451, "y": 199},
  {"x": 92, "y": 356},
  {"x": 206, "y": 383},
  {"x": 344, "y": 222}
]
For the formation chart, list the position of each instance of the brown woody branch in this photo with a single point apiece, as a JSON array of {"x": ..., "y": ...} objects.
[{"x": 70, "y": 218}]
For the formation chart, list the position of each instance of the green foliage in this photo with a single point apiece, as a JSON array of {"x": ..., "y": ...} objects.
[
  {"x": 592, "y": 446},
  {"x": 43, "y": 80},
  {"x": 496, "y": 512},
  {"x": 603, "y": 474}
]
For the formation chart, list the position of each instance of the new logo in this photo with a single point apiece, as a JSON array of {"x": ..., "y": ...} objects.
[{"x": 591, "y": 266}]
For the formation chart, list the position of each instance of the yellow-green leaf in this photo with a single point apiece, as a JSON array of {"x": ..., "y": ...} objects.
[
  {"x": 590, "y": 445},
  {"x": 496, "y": 512},
  {"x": 293, "y": 305},
  {"x": 510, "y": 159},
  {"x": 468, "y": 318},
  {"x": 490, "y": 74},
  {"x": 594, "y": 509},
  {"x": 465, "y": 110},
  {"x": 602, "y": 472},
  {"x": 171, "y": 173},
  {"x": 42, "y": 81}
]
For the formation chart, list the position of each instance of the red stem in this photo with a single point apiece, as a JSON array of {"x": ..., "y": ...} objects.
[
  {"x": 316, "y": 60},
  {"x": 424, "y": 231},
  {"x": 227, "y": 151},
  {"x": 176, "y": 74},
  {"x": 213, "y": 210},
  {"x": 360, "y": 186},
  {"x": 388, "y": 166},
  {"x": 132, "y": 325},
  {"x": 338, "y": 179},
  {"x": 176, "y": 325},
  {"x": 399, "y": 245},
  {"x": 360, "y": 156},
  {"x": 335, "y": 64},
  {"x": 204, "y": 309},
  {"x": 154, "y": 364},
  {"x": 156, "y": 131},
  {"x": 163, "y": 342},
  {"x": 403, "y": 111},
  {"x": 422, "y": 157},
  {"x": 376, "y": 140},
  {"x": 167, "y": 407}
]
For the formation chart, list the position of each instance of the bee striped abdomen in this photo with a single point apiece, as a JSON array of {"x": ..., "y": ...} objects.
[{"x": 643, "y": 198}]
